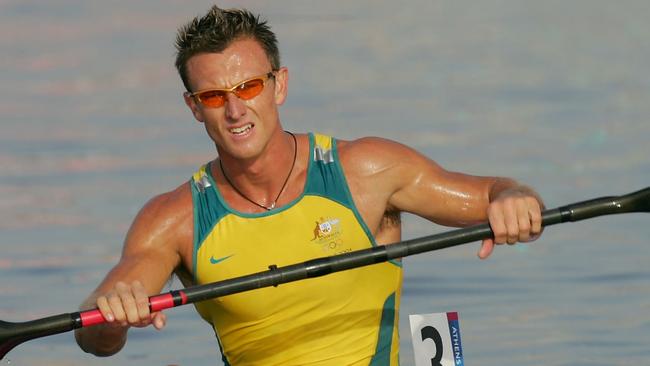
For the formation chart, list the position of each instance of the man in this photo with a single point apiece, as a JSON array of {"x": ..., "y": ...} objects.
[{"x": 272, "y": 197}]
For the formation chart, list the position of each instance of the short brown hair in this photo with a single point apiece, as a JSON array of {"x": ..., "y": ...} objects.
[{"x": 216, "y": 30}]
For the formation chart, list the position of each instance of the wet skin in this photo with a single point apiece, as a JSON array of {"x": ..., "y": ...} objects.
[{"x": 384, "y": 177}]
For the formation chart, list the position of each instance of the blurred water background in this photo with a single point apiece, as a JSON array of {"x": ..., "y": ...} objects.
[{"x": 553, "y": 93}]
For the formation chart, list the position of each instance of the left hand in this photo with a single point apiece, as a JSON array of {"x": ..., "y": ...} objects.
[{"x": 515, "y": 216}]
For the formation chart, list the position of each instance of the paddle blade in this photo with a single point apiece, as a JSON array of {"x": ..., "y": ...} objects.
[
  {"x": 7, "y": 342},
  {"x": 13, "y": 334},
  {"x": 638, "y": 201}
]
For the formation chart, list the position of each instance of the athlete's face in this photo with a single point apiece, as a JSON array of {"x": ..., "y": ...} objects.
[{"x": 239, "y": 128}]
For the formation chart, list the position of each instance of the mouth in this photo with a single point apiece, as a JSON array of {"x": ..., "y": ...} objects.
[{"x": 240, "y": 131}]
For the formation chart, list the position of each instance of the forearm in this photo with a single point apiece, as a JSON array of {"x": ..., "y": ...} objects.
[{"x": 151, "y": 253}]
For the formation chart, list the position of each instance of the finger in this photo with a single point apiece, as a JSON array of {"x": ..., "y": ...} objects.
[
  {"x": 523, "y": 219},
  {"x": 511, "y": 221},
  {"x": 535, "y": 212},
  {"x": 487, "y": 246},
  {"x": 159, "y": 320},
  {"x": 117, "y": 309},
  {"x": 105, "y": 309},
  {"x": 141, "y": 300},
  {"x": 125, "y": 294},
  {"x": 497, "y": 223}
]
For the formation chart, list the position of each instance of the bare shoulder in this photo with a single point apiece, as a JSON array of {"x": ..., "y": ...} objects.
[
  {"x": 158, "y": 242},
  {"x": 389, "y": 176},
  {"x": 373, "y": 149},
  {"x": 164, "y": 224},
  {"x": 389, "y": 161},
  {"x": 375, "y": 169},
  {"x": 173, "y": 203}
]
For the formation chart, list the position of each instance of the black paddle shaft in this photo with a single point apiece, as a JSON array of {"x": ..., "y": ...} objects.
[
  {"x": 12, "y": 334},
  {"x": 634, "y": 202}
]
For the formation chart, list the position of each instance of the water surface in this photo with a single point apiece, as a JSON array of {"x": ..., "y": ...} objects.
[{"x": 554, "y": 93}]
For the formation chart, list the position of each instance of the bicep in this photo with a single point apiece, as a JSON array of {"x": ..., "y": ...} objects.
[
  {"x": 150, "y": 252},
  {"x": 445, "y": 197}
]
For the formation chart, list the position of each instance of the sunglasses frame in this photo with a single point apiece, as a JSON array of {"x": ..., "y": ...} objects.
[{"x": 197, "y": 94}]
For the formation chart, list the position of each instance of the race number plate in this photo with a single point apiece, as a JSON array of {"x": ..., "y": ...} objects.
[{"x": 436, "y": 339}]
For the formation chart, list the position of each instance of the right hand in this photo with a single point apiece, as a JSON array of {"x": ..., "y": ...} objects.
[{"x": 128, "y": 305}]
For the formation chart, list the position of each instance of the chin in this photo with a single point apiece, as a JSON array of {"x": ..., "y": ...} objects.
[{"x": 241, "y": 151}]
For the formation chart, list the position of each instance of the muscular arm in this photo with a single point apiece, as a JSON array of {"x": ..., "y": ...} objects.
[
  {"x": 445, "y": 197},
  {"x": 386, "y": 176},
  {"x": 154, "y": 247}
]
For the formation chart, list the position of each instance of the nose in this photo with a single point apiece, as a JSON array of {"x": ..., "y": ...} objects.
[{"x": 235, "y": 107}]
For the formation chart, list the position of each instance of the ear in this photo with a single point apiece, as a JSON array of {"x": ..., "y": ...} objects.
[
  {"x": 281, "y": 84},
  {"x": 194, "y": 107}
]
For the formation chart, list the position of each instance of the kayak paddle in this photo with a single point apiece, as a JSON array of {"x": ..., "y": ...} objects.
[{"x": 13, "y": 334}]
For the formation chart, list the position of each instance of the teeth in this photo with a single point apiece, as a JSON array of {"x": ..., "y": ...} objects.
[{"x": 241, "y": 129}]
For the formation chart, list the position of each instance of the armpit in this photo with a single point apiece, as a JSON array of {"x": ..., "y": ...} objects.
[
  {"x": 391, "y": 219},
  {"x": 390, "y": 228}
]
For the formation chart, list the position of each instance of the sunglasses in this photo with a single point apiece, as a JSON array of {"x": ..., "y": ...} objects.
[{"x": 245, "y": 90}]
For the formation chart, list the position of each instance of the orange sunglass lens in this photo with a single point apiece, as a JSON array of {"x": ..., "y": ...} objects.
[
  {"x": 249, "y": 89},
  {"x": 213, "y": 98},
  {"x": 246, "y": 90}
]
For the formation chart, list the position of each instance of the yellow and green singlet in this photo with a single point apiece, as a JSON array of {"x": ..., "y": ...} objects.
[{"x": 345, "y": 318}]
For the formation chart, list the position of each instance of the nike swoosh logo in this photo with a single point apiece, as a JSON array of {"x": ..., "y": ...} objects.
[{"x": 219, "y": 260}]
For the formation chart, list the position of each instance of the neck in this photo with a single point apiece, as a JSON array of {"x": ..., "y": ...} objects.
[{"x": 261, "y": 179}]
